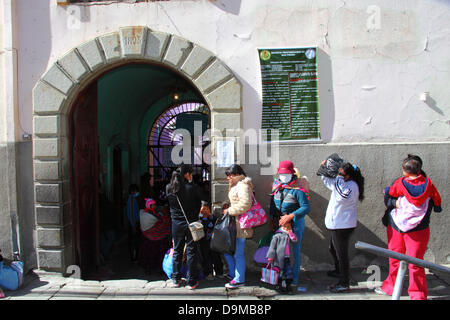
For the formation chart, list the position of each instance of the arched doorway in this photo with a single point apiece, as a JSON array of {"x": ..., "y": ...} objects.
[{"x": 58, "y": 92}]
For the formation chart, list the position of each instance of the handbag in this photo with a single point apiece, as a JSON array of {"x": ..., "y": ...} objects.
[
  {"x": 195, "y": 227},
  {"x": 223, "y": 238},
  {"x": 269, "y": 274},
  {"x": 254, "y": 217},
  {"x": 260, "y": 255}
]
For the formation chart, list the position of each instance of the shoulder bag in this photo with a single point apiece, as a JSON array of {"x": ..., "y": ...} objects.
[{"x": 195, "y": 227}]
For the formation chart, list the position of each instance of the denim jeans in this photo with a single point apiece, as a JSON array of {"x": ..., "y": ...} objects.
[
  {"x": 236, "y": 262},
  {"x": 181, "y": 236},
  {"x": 299, "y": 229}
]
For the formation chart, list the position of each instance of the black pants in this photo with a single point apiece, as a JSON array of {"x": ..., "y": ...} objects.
[
  {"x": 210, "y": 259},
  {"x": 339, "y": 251},
  {"x": 181, "y": 236},
  {"x": 134, "y": 241}
]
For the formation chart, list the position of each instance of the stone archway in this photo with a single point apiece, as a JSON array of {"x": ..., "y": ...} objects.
[{"x": 55, "y": 93}]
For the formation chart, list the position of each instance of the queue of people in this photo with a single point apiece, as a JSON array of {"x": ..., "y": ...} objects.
[{"x": 409, "y": 202}]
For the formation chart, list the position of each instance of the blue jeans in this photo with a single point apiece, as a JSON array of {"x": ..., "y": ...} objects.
[
  {"x": 236, "y": 262},
  {"x": 299, "y": 229},
  {"x": 181, "y": 236}
]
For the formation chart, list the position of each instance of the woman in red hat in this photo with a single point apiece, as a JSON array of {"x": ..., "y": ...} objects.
[{"x": 290, "y": 204}]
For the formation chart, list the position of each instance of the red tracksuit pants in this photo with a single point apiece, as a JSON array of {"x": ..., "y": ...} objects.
[{"x": 413, "y": 244}]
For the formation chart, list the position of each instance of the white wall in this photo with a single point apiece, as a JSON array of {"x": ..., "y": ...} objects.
[
  {"x": 2, "y": 78},
  {"x": 370, "y": 78}
]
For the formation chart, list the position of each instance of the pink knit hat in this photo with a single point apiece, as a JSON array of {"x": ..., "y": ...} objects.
[{"x": 149, "y": 202}]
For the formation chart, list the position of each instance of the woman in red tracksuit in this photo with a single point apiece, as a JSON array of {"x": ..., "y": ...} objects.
[{"x": 410, "y": 200}]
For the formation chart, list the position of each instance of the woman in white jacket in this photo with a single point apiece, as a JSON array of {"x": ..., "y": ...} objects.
[
  {"x": 240, "y": 196},
  {"x": 340, "y": 219}
]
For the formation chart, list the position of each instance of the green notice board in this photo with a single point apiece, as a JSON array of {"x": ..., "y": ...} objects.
[{"x": 290, "y": 92}]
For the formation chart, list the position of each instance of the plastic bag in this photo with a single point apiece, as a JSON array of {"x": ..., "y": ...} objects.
[
  {"x": 167, "y": 264},
  {"x": 223, "y": 239},
  {"x": 260, "y": 255},
  {"x": 331, "y": 166},
  {"x": 147, "y": 220},
  {"x": 11, "y": 276}
]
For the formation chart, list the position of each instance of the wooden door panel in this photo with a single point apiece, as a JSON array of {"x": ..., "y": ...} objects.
[{"x": 85, "y": 179}]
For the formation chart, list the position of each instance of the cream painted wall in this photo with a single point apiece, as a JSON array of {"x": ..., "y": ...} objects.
[
  {"x": 2, "y": 78},
  {"x": 371, "y": 71}
]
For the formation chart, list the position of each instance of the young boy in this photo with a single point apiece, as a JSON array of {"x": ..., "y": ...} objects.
[{"x": 211, "y": 259}]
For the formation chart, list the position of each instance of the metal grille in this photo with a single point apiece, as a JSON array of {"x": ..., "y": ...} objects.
[{"x": 163, "y": 138}]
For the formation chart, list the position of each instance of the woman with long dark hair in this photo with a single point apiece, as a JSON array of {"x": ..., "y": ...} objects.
[
  {"x": 194, "y": 201},
  {"x": 340, "y": 219}
]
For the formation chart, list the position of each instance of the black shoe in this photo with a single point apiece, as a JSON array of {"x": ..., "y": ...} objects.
[
  {"x": 339, "y": 288},
  {"x": 289, "y": 290},
  {"x": 333, "y": 273},
  {"x": 193, "y": 286},
  {"x": 177, "y": 283}
]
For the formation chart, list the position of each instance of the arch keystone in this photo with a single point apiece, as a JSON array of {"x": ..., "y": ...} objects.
[{"x": 132, "y": 41}]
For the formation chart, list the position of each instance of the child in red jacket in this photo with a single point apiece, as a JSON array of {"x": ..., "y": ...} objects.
[
  {"x": 414, "y": 185},
  {"x": 407, "y": 223}
]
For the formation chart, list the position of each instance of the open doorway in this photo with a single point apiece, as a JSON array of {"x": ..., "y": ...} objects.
[{"x": 123, "y": 111}]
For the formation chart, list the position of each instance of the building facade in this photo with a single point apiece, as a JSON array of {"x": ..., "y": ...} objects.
[{"x": 383, "y": 68}]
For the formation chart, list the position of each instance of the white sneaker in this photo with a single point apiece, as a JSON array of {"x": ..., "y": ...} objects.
[
  {"x": 233, "y": 284},
  {"x": 380, "y": 291}
]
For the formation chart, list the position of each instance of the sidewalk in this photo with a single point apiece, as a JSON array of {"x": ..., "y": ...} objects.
[{"x": 48, "y": 286}]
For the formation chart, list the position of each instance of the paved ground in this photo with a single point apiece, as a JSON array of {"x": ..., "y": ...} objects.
[
  {"x": 47, "y": 286},
  {"x": 119, "y": 279}
]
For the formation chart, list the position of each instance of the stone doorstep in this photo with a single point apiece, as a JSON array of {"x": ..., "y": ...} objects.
[
  {"x": 124, "y": 294},
  {"x": 131, "y": 283}
]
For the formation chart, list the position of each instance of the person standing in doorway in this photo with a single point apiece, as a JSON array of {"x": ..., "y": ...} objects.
[
  {"x": 182, "y": 190},
  {"x": 134, "y": 204},
  {"x": 341, "y": 219}
]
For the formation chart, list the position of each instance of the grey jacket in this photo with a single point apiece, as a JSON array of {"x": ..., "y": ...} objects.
[{"x": 277, "y": 249}]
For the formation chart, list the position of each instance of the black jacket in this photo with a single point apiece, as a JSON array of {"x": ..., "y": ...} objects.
[{"x": 192, "y": 197}]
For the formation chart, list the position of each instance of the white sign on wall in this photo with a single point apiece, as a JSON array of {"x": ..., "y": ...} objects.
[{"x": 225, "y": 153}]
